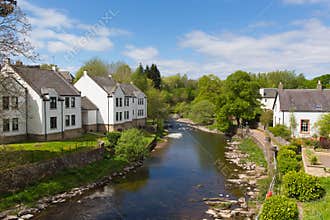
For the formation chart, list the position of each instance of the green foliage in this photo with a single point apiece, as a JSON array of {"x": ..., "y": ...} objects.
[
  {"x": 154, "y": 75},
  {"x": 94, "y": 67},
  {"x": 281, "y": 131},
  {"x": 223, "y": 122},
  {"x": 293, "y": 123},
  {"x": 266, "y": 118},
  {"x": 157, "y": 107},
  {"x": 49, "y": 67},
  {"x": 139, "y": 78},
  {"x": 302, "y": 186},
  {"x": 202, "y": 112},
  {"x": 182, "y": 108},
  {"x": 122, "y": 74},
  {"x": 209, "y": 88},
  {"x": 131, "y": 146},
  {"x": 113, "y": 138},
  {"x": 279, "y": 208},
  {"x": 255, "y": 154},
  {"x": 287, "y": 161},
  {"x": 240, "y": 97},
  {"x": 324, "y": 125}
]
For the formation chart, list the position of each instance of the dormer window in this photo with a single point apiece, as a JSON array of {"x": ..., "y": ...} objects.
[
  {"x": 5, "y": 103},
  {"x": 73, "y": 102},
  {"x": 67, "y": 102},
  {"x": 53, "y": 103}
]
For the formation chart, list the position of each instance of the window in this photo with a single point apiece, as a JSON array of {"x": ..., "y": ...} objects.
[
  {"x": 120, "y": 116},
  {"x": 73, "y": 120},
  {"x": 6, "y": 125},
  {"x": 53, "y": 122},
  {"x": 133, "y": 112},
  {"x": 67, "y": 120},
  {"x": 133, "y": 100},
  {"x": 120, "y": 102},
  {"x": 117, "y": 102},
  {"x": 5, "y": 103},
  {"x": 14, "y": 102},
  {"x": 304, "y": 126},
  {"x": 140, "y": 112},
  {"x": 15, "y": 124},
  {"x": 117, "y": 116},
  {"x": 73, "y": 102},
  {"x": 126, "y": 101},
  {"x": 140, "y": 101},
  {"x": 67, "y": 102},
  {"x": 53, "y": 104},
  {"x": 126, "y": 115}
]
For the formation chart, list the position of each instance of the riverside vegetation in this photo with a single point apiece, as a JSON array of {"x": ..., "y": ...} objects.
[{"x": 127, "y": 154}]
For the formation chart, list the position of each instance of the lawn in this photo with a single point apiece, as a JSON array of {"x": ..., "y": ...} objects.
[
  {"x": 12, "y": 155},
  {"x": 319, "y": 210},
  {"x": 256, "y": 155},
  {"x": 65, "y": 180}
]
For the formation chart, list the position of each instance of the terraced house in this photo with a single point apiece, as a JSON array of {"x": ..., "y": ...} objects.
[
  {"x": 37, "y": 104},
  {"x": 110, "y": 105}
]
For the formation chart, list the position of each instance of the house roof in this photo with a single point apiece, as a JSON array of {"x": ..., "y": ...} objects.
[
  {"x": 87, "y": 104},
  {"x": 269, "y": 93},
  {"x": 40, "y": 79},
  {"x": 305, "y": 100},
  {"x": 130, "y": 89},
  {"x": 67, "y": 75},
  {"x": 108, "y": 84}
]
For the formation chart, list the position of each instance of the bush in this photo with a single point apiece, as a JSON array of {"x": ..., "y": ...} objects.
[
  {"x": 302, "y": 186},
  {"x": 131, "y": 146},
  {"x": 279, "y": 208},
  {"x": 202, "y": 112},
  {"x": 281, "y": 131},
  {"x": 287, "y": 161},
  {"x": 113, "y": 138}
]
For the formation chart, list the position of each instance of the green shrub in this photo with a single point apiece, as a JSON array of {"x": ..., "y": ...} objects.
[
  {"x": 294, "y": 148},
  {"x": 279, "y": 208},
  {"x": 302, "y": 186},
  {"x": 281, "y": 131},
  {"x": 314, "y": 160},
  {"x": 132, "y": 146},
  {"x": 287, "y": 161},
  {"x": 113, "y": 138}
]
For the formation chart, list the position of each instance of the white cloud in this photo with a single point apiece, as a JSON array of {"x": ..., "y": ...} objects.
[{"x": 56, "y": 32}]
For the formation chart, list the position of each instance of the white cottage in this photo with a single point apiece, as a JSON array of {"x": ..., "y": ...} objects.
[
  {"x": 307, "y": 106},
  {"x": 268, "y": 96},
  {"x": 49, "y": 109},
  {"x": 120, "y": 106}
]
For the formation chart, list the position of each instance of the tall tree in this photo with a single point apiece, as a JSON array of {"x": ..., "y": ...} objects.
[
  {"x": 154, "y": 75},
  {"x": 324, "y": 125},
  {"x": 122, "y": 74},
  {"x": 94, "y": 67},
  {"x": 209, "y": 88},
  {"x": 14, "y": 31},
  {"x": 240, "y": 98},
  {"x": 139, "y": 78}
]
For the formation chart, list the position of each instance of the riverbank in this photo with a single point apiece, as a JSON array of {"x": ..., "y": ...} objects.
[
  {"x": 199, "y": 127},
  {"x": 64, "y": 186},
  {"x": 251, "y": 169}
]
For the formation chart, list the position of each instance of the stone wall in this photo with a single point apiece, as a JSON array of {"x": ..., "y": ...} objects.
[{"x": 20, "y": 177}]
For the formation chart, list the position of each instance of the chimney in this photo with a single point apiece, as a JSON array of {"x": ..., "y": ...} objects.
[
  {"x": 280, "y": 86},
  {"x": 132, "y": 82},
  {"x": 85, "y": 73},
  {"x": 19, "y": 63},
  {"x": 7, "y": 61},
  {"x": 54, "y": 68},
  {"x": 319, "y": 85}
]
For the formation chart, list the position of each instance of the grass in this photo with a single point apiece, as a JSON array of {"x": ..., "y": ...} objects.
[
  {"x": 319, "y": 210},
  {"x": 12, "y": 155},
  {"x": 63, "y": 181},
  {"x": 255, "y": 154}
]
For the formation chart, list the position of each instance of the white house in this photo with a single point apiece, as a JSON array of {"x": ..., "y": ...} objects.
[
  {"x": 268, "y": 96},
  {"x": 120, "y": 106},
  {"x": 49, "y": 109},
  {"x": 306, "y": 105}
]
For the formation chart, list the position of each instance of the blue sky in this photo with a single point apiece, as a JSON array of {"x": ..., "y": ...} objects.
[{"x": 193, "y": 37}]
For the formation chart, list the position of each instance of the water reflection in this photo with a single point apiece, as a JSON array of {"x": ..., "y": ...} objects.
[{"x": 170, "y": 185}]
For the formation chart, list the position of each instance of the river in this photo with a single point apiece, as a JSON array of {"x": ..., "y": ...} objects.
[{"x": 170, "y": 185}]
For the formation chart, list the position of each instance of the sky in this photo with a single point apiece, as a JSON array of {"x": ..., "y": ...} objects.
[{"x": 194, "y": 37}]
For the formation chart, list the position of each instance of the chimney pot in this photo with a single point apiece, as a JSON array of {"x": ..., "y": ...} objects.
[
  {"x": 319, "y": 85},
  {"x": 7, "y": 61},
  {"x": 54, "y": 68},
  {"x": 85, "y": 73},
  {"x": 280, "y": 86},
  {"x": 19, "y": 63}
]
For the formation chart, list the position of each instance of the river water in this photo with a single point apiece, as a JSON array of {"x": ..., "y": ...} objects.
[{"x": 170, "y": 185}]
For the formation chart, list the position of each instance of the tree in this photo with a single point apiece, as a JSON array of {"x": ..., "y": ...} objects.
[
  {"x": 240, "y": 98},
  {"x": 324, "y": 125},
  {"x": 131, "y": 146},
  {"x": 202, "y": 112},
  {"x": 289, "y": 79},
  {"x": 14, "y": 29},
  {"x": 157, "y": 107},
  {"x": 139, "y": 78},
  {"x": 94, "y": 67},
  {"x": 266, "y": 118},
  {"x": 113, "y": 67},
  {"x": 209, "y": 88},
  {"x": 122, "y": 74},
  {"x": 293, "y": 123},
  {"x": 154, "y": 75}
]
